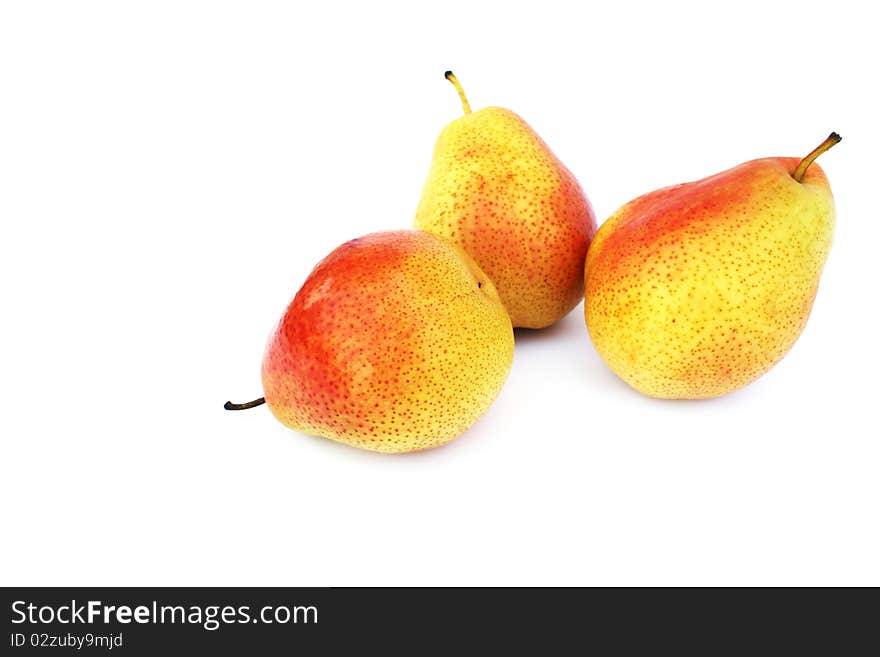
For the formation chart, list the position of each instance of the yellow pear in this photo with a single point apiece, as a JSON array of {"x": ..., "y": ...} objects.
[
  {"x": 396, "y": 342},
  {"x": 696, "y": 290},
  {"x": 497, "y": 190}
]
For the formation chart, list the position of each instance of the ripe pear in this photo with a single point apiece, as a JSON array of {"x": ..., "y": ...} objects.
[
  {"x": 695, "y": 290},
  {"x": 396, "y": 342},
  {"x": 497, "y": 190}
]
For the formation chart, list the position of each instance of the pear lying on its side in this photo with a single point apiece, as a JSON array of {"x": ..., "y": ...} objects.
[
  {"x": 695, "y": 290},
  {"x": 497, "y": 190},
  {"x": 396, "y": 342}
]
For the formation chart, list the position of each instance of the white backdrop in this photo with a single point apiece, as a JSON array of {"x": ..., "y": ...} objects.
[{"x": 171, "y": 171}]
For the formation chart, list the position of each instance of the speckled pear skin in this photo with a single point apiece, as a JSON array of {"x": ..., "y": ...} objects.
[
  {"x": 496, "y": 189},
  {"x": 396, "y": 342},
  {"x": 694, "y": 291}
]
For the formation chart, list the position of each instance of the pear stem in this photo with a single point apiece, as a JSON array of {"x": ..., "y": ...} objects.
[
  {"x": 801, "y": 170},
  {"x": 449, "y": 75},
  {"x": 229, "y": 406}
]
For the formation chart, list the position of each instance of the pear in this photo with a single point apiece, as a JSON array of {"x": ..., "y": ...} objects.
[
  {"x": 496, "y": 189},
  {"x": 396, "y": 342},
  {"x": 696, "y": 290}
]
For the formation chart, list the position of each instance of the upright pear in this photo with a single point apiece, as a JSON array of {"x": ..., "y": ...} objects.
[
  {"x": 496, "y": 189},
  {"x": 695, "y": 290},
  {"x": 396, "y": 342}
]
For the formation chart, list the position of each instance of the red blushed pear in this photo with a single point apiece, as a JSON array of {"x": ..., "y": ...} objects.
[
  {"x": 496, "y": 189},
  {"x": 396, "y": 342},
  {"x": 696, "y": 290}
]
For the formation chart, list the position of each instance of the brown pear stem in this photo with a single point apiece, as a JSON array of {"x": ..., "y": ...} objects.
[
  {"x": 801, "y": 170},
  {"x": 449, "y": 75},
  {"x": 229, "y": 406}
]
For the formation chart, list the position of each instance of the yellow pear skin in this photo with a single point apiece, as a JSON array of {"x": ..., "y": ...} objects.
[
  {"x": 499, "y": 192},
  {"x": 696, "y": 290}
]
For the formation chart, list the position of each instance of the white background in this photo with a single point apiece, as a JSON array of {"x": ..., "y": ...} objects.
[{"x": 171, "y": 171}]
